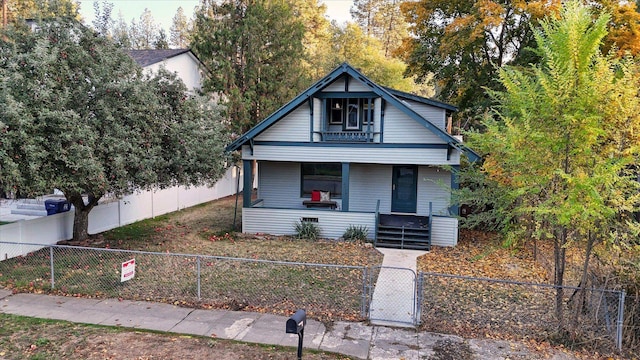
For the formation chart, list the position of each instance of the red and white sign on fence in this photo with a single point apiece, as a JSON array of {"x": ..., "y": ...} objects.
[{"x": 128, "y": 270}]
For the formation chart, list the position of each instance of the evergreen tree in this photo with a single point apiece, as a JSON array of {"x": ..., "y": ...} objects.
[
  {"x": 180, "y": 30},
  {"x": 253, "y": 49},
  {"x": 383, "y": 20},
  {"x": 161, "y": 40},
  {"x": 365, "y": 13},
  {"x": 120, "y": 33},
  {"x": 144, "y": 33},
  {"x": 103, "y": 22}
]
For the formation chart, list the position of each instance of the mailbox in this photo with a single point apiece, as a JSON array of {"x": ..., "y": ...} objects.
[
  {"x": 296, "y": 322},
  {"x": 295, "y": 325}
]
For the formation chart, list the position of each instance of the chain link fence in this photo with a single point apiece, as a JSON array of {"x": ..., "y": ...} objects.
[
  {"x": 481, "y": 307},
  {"x": 327, "y": 292},
  {"x": 466, "y": 306}
]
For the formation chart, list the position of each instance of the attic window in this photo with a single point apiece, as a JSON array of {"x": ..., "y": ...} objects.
[
  {"x": 336, "y": 108},
  {"x": 350, "y": 113}
]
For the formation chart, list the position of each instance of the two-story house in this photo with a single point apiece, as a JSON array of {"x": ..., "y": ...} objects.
[{"x": 378, "y": 157}]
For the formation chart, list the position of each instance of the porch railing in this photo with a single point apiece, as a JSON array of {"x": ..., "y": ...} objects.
[{"x": 347, "y": 136}]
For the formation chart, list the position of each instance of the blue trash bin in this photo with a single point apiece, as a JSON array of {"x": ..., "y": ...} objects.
[{"x": 56, "y": 206}]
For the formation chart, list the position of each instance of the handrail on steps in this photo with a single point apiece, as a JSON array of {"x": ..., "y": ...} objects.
[{"x": 375, "y": 233}]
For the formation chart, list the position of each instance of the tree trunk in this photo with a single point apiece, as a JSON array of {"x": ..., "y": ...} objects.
[
  {"x": 81, "y": 217},
  {"x": 560, "y": 260},
  {"x": 581, "y": 299}
]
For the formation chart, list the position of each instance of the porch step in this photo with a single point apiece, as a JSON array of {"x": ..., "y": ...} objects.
[{"x": 402, "y": 237}]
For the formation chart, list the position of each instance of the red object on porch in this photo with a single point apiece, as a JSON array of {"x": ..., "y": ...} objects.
[{"x": 315, "y": 195}]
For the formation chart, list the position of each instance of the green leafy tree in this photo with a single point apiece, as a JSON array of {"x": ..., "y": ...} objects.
[
  {"x": 366, "y": 53},
  {"x": 253, "y": 49},
  {"x": 461, "y": 44},
  {"x": 19, "y": 10},
  {"x": 180, "y": 30},
  {"x": 318, "y": 59},
  {"x": 77, "y": 114},
  {"x": 565, "y": 142}
]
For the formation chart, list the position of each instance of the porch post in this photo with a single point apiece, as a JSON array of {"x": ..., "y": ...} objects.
[
  {"x": 454, "y": 209},
  {"x": 345, "y": 186},
  {"x": 247, "y": 185}
]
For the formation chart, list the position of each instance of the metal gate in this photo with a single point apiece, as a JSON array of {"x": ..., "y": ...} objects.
[{"x": 393, "y": 297}]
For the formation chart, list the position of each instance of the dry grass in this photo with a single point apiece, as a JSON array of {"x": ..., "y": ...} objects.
[
  {"x": 29, "y": 338},
  {"x": 207, "y": 230}
]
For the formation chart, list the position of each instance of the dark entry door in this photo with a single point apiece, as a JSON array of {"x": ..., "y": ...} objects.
[{"x": 404, "y": 192}]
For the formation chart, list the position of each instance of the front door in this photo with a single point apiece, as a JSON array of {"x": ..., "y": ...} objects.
[{"x": 404, "y": 192}]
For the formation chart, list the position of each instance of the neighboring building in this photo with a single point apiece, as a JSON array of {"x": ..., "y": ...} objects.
[
  {"x": 377, "y": 152},
  {"x": 181, "y": 61}
]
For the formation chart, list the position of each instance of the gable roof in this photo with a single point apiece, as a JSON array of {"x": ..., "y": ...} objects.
[
  {"x": 385, "y": 93},
  {"x": 145, "y": 58},
  {"x": 420, "y": 99}
]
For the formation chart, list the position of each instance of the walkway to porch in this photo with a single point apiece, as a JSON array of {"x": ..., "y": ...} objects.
[{"x": 394, "y": 298}]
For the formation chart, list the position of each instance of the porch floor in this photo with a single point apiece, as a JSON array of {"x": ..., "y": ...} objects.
[{"x": 407, "y": 221}]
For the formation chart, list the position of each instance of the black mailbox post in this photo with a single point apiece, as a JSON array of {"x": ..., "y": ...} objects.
[{"x": 295, "y": 325}]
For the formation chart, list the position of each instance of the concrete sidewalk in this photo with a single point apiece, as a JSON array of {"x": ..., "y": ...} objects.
[{"x": 356, "y": 340}]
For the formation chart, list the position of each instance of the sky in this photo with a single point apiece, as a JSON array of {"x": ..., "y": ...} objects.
[{"x": 164, "y": 10}]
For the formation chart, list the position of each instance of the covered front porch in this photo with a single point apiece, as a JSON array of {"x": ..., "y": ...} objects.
[{"x": 442, "y": 230}]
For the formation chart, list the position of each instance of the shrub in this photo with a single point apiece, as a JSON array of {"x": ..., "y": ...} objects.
[
  {"x": 307, "y": 230},
  {"x": 356, "y": 233}
]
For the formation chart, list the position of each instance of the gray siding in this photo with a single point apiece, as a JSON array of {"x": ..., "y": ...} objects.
[
  {"x": 281, "y": 221},
  {"x": 351, "y": 155},
  {"x": 444, "y": 231},
  {"x": 279, "y": 184},
  {"x": 354, "y": 85},
  {"x": 367, "y": 185},
  {"x": 293, "y": 127},
  {"x": 434, "y": 186},
  {"x": 436, "y": 116},
  {"x": 337, "y": 85},
  {"x": 399, "y": 128},
  {"x": 370, "y": 183}
]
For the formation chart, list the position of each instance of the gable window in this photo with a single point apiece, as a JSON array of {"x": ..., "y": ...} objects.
[
  {"x": 336, "y": 107},
  {"x": 353, "y": 117},
  {"x": 322, "y": 177},
  {"x": 351, "y": 113},
  {"x": 367, "y": 111}
]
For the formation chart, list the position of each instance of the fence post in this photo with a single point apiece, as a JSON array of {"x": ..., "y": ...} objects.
[
  {"x": 53, "y": 278},
  {"x": 198, "y": 274},
  {"x": 419, "y": 297},
  {"x": 363, "y": 308},
  {"x": 620, "y": 320}
]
